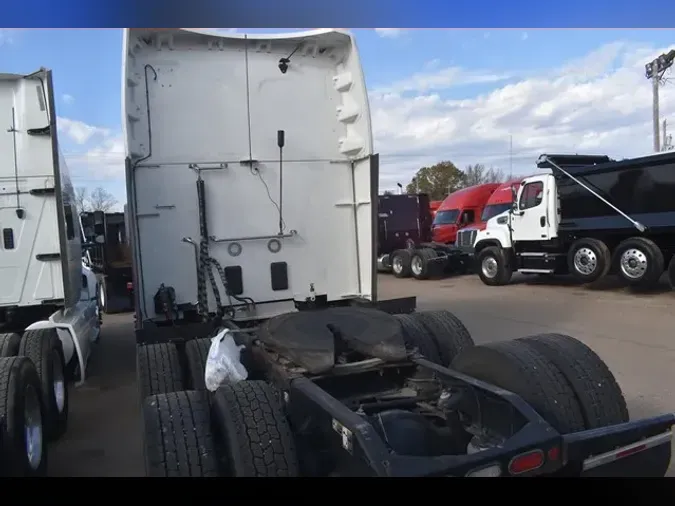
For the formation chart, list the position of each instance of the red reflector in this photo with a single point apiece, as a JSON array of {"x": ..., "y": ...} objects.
[
  {"x": 554, "y": 453},
  {"x": 526, "y": 462},
  {"x": 130, "y": 286},
  {"x": 630, "y": 451}
]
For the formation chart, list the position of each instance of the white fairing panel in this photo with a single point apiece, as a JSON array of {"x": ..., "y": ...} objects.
[
  {"x": 40, "y": 255},
  {"x": 198, "y": 104}
]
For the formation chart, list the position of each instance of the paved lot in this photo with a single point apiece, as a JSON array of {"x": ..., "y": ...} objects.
[{"x": 632, "y": 332}]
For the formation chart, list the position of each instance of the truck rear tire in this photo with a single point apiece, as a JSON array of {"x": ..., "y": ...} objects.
[
  {"x": 421, "y": 263},
  {"x": 589, "y": 259},
  {"x": 9, "y": 345},
  {"x": 671, "y": 272},
  {"x": 601, "y": 400},
  {"x": 400, "y": 263},
  {"x": 519, "y": 368},
  {"x": 196, "y": 352},
  {"x": 24, "y": 450},
  {"x": 177, "y": 435},
  {"x": 256, "y": 437},
  {"x": 639, "y": 261},
  {"x": 448, "y": 333},
  {"x": 493, "y": 266},
  {"x": 417, "y": 337},
  {"x": 158, "y": 368},
  {"x": 45, "y": 350},
  {"x": 102, "y": 295}
]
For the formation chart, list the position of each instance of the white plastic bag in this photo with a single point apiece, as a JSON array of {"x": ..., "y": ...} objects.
[{"x": 222, "y": 363}]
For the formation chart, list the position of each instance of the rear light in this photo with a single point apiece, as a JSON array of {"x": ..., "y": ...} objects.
[
  {"x": 526, "y": 462},
  {"x": 130, "y": 285},
  {"x": 491, "y": 471}
]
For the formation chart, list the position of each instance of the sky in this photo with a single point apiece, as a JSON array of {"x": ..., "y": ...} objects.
[{"x": 495, "y": 97}]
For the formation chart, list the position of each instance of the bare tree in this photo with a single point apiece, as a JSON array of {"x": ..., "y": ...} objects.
[
  {"x": 82, "y": 199},
  {"x": 101, "y": 200},
  {"x": 478, "y": 174}
]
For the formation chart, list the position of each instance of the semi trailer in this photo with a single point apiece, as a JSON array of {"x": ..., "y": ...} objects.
[
  {"x": 590, "y": 216},
  {"x": 336, "y": 381},
  {"x": 48, "y": 311}
]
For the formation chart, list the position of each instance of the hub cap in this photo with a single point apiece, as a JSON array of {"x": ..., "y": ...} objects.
[
  {"x": 59, "y": 383},
  {"x": 489, "y": 267},
  {"x": 633, "y": 263},
  {"x": 416, "y": 265},
  {"x": 585, "y": 261},
  {"x": 32, "y": 427}
]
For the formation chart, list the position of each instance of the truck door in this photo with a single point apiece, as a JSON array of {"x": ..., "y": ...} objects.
[{"x": 531, "y": 219}]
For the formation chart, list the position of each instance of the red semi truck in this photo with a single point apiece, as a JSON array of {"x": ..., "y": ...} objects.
[
  {"x": 460, "y": 209},
  {"x": 499, "y": 202},
  {"x": 433, "y": 207}
]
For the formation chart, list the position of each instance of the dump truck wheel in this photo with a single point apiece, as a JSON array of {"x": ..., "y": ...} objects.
[
  {"x": 9, "y": 345},
  {"x": 159, "y": 369},
  {"x": 493, "y": 267},
  {"x": 177, "y": 435},
  {"x": 44, "y": 348},
  {"x": 639, "y": 261},
  {"x": 196, "y": 352},
  {"x": 400, "y": 263},
  {"x": 448, "y": 333},
  {"x": 24, "y": 448},
  {"x": 589, "y": 259},
  {"x": 519, "y": 368},
  {"x": 417, "y": 337},
  {"x": 600, "y": 397},
  {"x": 257, "y": 439},
  {"x": 421, "y": 263}
]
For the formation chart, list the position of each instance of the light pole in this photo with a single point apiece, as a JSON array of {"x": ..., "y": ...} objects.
[{"x": 654, "y": 70}]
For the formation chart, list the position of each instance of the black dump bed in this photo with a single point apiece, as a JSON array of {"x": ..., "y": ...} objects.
[
  {"x": 643, "y": 188},
  {"x": 402, "y": 218}
]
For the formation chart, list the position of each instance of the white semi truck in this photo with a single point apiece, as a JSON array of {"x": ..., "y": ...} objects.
[
  {"x": 589, "y": 216},
  {"x": 252, "y": 208},
  {"x": 48, "y": 311}
]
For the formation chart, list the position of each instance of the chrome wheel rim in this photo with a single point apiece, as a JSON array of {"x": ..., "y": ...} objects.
[
  {"x": 633, "y": 263},
  {"x": 416, "y": 265},
  {"x": 32, "y": 427},
  {"x": 489, "y": 267},
  {"x": 101, "y": 295},
  {"x": 397, "y": 264},
  {"x": 585, "y": 261}
]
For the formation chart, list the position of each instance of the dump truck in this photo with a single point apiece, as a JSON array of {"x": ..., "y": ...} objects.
[
  {"x": 49, "y": 316},
  {"x": 225, "y": 193},
  {"x": 588, "y": 216}
]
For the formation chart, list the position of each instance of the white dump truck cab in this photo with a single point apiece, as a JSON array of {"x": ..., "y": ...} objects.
[{"x": 44, "y": 280}]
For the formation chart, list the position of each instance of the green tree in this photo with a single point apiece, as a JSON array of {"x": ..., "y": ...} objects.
[
  {"x": 479, "y": 174},
  {"x": 437, "y": 181}
]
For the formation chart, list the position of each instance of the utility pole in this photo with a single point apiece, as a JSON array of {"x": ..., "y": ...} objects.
[{"x": 654, "y": 70}]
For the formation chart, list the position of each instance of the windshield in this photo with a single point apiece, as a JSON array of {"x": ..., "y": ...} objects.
[
  {"x": 493, "y": 210},
  {"x": 448, "y": 217}
]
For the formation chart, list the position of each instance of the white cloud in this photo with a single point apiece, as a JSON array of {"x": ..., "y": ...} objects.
[
  {"x": 389, "y": 33},
  {"x": 80, "y": 132},
  {"x": 67, "y": 99},
  {"x": 601, "y": 103}
]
